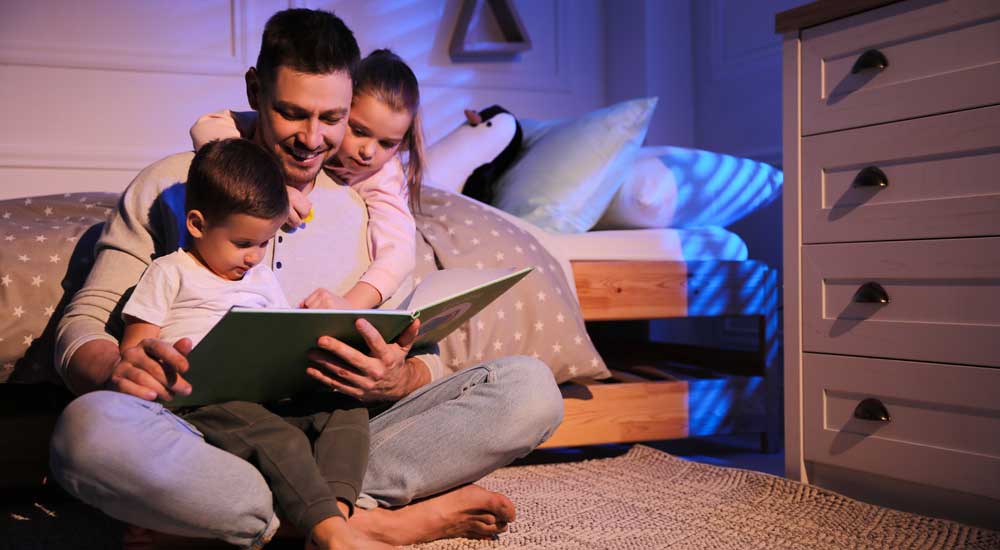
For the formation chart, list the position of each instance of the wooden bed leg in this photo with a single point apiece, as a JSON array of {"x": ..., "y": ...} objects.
[{"x": 772, "y": 439}]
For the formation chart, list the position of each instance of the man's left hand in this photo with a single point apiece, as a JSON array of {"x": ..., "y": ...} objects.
[{"x": 384, "y": 375}]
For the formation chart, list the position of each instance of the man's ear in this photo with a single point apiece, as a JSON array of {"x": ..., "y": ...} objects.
[
  {"x": 196, "y": 224},
  {"x": 253, "y": 88}
]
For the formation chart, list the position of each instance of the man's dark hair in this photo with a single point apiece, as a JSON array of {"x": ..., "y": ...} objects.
[
  {"x": 235, "y": 176},
  {"x": 307, "y": 41}
]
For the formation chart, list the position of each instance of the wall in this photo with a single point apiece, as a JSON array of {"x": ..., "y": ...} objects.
[
  {"x": 91, "y": 92},
  {"x": 716, "y": 65}
]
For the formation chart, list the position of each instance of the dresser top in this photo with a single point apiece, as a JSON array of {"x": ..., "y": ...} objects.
[{"x": 822, "y": 11}]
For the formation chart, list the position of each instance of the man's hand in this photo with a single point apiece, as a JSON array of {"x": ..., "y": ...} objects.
[
  {"x": 385, "y": 375},
  {"x": 152, "y": 369},
  {"x": 299, "y": 207},
  {"x": 322, "y": 298}
]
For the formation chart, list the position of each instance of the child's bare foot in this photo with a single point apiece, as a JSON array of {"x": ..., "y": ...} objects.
[
  {"x": 333, "y": 533},
  {"x": 469, "y": 511}
]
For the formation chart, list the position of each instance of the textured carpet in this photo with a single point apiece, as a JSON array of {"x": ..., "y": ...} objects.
[
  {"x": 647, "y": 499},
  {"x": 644, "y": 499}
]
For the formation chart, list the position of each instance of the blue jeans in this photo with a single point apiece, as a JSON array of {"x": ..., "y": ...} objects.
[{"x": 144, "y": 465}]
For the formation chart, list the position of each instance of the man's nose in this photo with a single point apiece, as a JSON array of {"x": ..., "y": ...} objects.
[{"x": 310, "y": 137}]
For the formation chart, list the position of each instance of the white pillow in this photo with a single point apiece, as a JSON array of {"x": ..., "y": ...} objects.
[
  {"x": 569, "y": 171},
  {"x": 452, "y": 159},
  {"x": 717, "y": 189},
  {"x": 646, "y": 199}
]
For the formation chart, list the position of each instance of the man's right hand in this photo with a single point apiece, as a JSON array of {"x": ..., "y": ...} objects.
[{"x": 152, "y": 369}]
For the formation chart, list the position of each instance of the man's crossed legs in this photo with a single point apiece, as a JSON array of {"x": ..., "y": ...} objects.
[{"x": 146, "y": 466}]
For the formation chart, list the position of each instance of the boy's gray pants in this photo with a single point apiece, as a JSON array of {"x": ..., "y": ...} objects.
[{"x": 313, "y": 451}]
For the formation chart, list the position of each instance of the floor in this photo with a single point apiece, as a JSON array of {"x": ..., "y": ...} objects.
[
  {"x": 38, "y": 519},
  {"x": 733, "y": 451}
]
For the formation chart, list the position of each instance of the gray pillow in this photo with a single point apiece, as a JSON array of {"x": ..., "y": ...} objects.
[
  {"x": 538, "y": 317},
  {"x": 47, "y": 251}
]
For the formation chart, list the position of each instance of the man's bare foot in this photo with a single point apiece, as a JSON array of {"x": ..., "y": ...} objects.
[
  {"x": 469, "y": 511},
  {"x": 333, "y": 533}
]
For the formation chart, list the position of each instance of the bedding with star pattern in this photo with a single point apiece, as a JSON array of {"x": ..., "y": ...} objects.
[{"x": 46, "y": 249}]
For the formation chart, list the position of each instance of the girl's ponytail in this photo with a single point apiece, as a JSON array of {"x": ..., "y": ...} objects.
[
  {"x": 415, "y": 163},
  {"x": 386, "y": 77}
]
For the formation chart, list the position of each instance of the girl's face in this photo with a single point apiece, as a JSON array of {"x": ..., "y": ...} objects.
[{"x": 374, "y": 134}]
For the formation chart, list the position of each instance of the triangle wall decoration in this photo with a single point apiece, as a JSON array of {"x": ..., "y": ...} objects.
[{"x": 515, "y": 36}]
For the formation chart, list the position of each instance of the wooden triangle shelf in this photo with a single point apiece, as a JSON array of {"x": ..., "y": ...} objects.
[{"x": 515, "y": 36}]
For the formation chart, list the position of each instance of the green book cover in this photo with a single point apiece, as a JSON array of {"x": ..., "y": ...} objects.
[{"x": 259, "y": 355}]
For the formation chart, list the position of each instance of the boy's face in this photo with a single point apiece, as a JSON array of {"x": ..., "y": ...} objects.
[
  {"x": 374, "y": 134},
  {"x": 302, "y": 119},
  {"x": 231, "y": 246}
]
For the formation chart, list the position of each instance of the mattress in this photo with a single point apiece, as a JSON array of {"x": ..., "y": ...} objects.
[
  {"x": 668, "y": 245},
  {"x": 679, "y": 245}
]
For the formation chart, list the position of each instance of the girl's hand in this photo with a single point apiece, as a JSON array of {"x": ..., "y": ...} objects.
[
  {"x": 322, "y": 298},
  {"x": 299, "y": 207}
]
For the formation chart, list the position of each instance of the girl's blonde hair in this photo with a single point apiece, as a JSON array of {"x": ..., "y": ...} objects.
[{"x": 387, "y": 78}]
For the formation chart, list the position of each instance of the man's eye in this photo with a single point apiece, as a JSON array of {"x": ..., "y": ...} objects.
[
  {"x": 332, "y": 120},
  {"x": 289, "y": 116}
]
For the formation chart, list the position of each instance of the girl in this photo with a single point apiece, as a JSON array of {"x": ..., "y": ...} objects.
[{"x": 384, "y": 120}]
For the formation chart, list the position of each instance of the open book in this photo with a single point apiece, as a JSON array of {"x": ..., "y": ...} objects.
[{"x": 259, "y": 355}]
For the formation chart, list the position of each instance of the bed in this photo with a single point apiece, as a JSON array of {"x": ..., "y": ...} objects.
[
  {"x": 594, "y": 292},
  {"x": 622, "y": 279}
]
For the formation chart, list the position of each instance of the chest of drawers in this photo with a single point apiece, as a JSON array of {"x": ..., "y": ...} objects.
[{"x": 891, "y": 219}]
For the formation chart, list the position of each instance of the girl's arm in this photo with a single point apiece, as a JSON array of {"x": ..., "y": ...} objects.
[
  {"x": 392, "y": 230},
  {"x": 223, "y": 125}
]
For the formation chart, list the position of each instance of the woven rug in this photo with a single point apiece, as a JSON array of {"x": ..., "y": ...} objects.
[
  {"x": 644, "y": 499},
  {"x": 647, "y": 499}
]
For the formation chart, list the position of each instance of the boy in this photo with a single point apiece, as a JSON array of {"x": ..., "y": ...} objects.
[{"x": 314, "y": 459}]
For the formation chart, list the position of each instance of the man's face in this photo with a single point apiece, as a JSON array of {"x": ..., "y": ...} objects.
[{"x": 302, "y": 120}]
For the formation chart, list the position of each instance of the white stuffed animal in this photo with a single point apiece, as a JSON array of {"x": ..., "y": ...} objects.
[{"x": 471, "y": 158}]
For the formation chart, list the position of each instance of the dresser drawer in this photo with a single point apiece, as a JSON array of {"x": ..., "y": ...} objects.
[
  {"x": 943, "y": 300},
  {"x": 943, "y": 428},
  {"x": 942, "y": 56},
  {"x": 941, "y": 176}
]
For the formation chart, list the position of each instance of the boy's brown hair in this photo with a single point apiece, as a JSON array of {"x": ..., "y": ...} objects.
[{"x": 235, "y": 176}]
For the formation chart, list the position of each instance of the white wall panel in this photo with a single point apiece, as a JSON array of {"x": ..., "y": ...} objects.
[
  {"x": 192, "y": 36},
  {"x": 737, "y": 68},
  {"x": 102, "y": 88}
]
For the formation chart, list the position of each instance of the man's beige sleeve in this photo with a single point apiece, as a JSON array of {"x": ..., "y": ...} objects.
[
  {"x": 430, "y": 357},
  {"x": 139, "y": 229}
]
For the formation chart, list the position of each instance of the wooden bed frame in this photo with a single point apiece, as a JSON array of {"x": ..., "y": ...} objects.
[{"x": 651, "y": 395}]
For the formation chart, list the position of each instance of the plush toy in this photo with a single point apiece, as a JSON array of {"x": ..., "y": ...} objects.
[{"x": 471, "y": 158}]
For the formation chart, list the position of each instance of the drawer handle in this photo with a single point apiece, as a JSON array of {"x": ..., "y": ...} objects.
[
  {"x": 872, "y": 409},
  {"x": 871, "y": 59},
  {"x": 871, "y": 293},
  {"x": 870, "y": 176}
]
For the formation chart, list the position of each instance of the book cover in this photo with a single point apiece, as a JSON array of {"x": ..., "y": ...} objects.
[{"x": 259, "y": 355}]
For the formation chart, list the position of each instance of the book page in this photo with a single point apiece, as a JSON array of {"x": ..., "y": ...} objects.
[
  {"x": 444, "y": 315},
  {"x": 439, "y": 286}
]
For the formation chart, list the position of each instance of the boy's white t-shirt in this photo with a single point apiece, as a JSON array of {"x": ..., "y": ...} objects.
[{"x": 185, "y": 299}]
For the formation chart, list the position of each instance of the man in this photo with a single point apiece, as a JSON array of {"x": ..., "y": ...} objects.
[{"x": 121, "y": 451}]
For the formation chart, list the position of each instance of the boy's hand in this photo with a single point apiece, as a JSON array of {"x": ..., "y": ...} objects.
[
  {"x": 385, "y": 375},
  {"x": 152, "y": 369},
  {"x": 299, "y": 207},
  {"x": 322, "y": 298}
]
